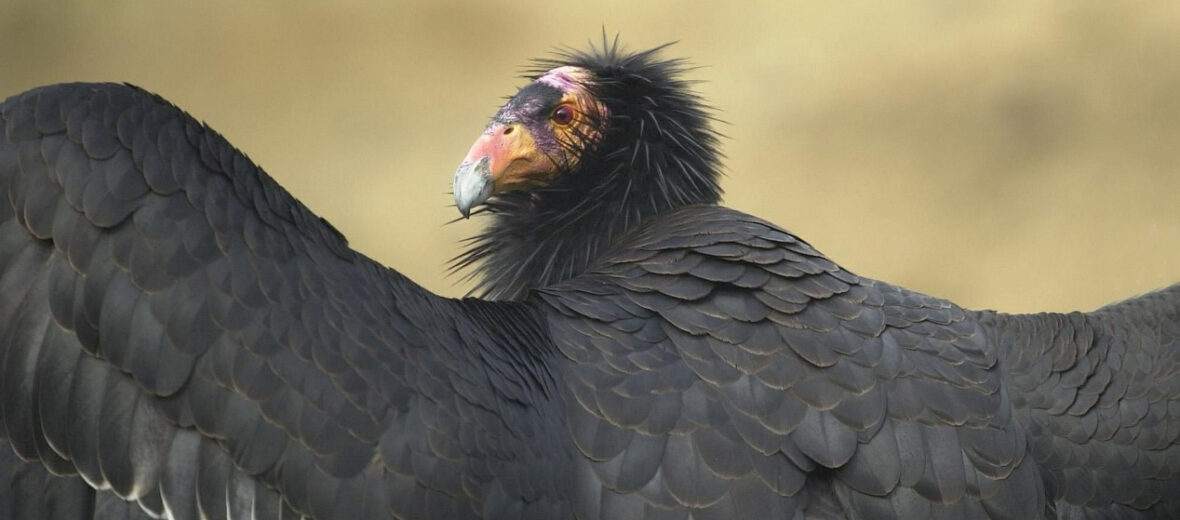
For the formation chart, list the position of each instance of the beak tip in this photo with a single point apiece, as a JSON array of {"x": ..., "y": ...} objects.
[{"x": 472, "y": 185}]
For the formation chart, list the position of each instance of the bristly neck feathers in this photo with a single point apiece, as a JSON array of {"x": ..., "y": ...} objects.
[{"x": 657, "y": 153}]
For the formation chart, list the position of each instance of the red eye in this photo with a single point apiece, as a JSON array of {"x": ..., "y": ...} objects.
[{"x": 563, "y": 115}]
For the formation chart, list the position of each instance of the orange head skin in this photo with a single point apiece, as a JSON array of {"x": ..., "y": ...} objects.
[{"x": 540, "y": 133}]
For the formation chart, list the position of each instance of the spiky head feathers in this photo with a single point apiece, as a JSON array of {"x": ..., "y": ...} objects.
[{"x": 596, "y": 143}]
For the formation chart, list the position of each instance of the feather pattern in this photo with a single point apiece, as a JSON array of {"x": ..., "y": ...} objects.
[
  {"x": 180, "y": 338},
  {"x": 179, "y": 332}
]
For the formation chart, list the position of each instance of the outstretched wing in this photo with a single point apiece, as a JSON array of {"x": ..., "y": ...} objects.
[
  {"x": 719, "y": 365},
  {"x": 1100, "y": 395},
  {"x": 177, "y": 328}
]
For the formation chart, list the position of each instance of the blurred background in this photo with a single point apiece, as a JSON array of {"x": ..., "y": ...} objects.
[{"x": 1018, "y": 155}]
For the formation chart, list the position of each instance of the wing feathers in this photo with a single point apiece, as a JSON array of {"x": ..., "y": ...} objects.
[
  {"x": 176, "y": 328},
  {"x": 813, "y": 390}
]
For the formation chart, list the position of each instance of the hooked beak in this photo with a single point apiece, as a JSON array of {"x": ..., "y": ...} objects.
[
  {"x": 473, "y": 184},
  {"x": 504, "y": 158}
]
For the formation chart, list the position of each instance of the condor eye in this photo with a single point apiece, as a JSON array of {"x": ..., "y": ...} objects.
[{"x": 562, "y": 115}]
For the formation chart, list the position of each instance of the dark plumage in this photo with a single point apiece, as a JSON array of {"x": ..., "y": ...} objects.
[{"x": 178, "y": 331}]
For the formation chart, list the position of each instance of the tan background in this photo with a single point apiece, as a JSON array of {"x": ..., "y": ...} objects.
[{"x": 1022, "y": 156}]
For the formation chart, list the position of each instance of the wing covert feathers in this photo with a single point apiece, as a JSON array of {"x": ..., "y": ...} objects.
[
  {"x": 738, "y": 372},
  {"x": 1099, "y": 394},
  {"x": 180, "y": 331}
]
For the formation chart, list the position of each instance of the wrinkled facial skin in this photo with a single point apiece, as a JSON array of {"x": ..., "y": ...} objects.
[
  {"x": 540, "y": 133},
  {"x": 533, "y": 107}
]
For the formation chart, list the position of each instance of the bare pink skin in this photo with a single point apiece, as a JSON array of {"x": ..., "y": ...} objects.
[
  {"x": 565, "y": 78},
  {"x": 490, "y": 144}
]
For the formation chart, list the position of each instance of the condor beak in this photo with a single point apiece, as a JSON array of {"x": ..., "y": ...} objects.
[
  {"x": 504, "y": 158},
  {"x": 473, "y": 184}
]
